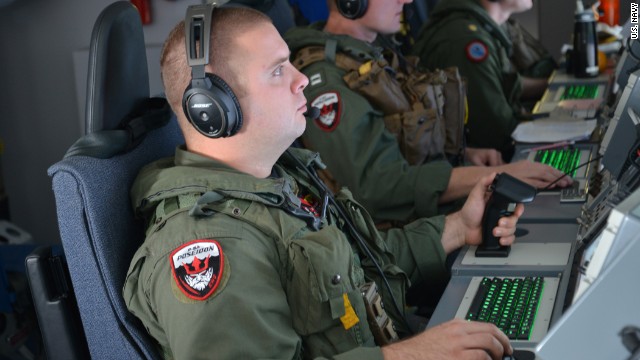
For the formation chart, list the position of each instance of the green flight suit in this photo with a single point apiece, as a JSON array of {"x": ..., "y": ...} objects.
[
  {"x": 461, "y": 33},
  {"x": 283, "y": 290},
  {"x": 529, "y": 56},
  {"x": 351, "y": 136}
]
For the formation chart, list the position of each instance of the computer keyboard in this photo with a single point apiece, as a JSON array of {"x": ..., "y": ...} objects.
[
  {"x": 511, "y": 303},
  {"x": 565, "y": 159},
  {"x": 579, "y": 92}
]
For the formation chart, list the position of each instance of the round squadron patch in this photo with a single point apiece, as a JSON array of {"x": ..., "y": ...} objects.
[
  {"x": 197, "y": 268},
  {"x": 330, "y": 109},
  {"x": 476, "y": 51}
]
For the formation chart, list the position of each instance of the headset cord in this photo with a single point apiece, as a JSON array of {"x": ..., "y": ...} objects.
[
  {"x": 569, "y": 172},
  {"x": 362, "y": 244},
  {"x": 630, "y": 50}
]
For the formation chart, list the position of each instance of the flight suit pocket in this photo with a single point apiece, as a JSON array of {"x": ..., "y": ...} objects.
[
  {"x": 136, "y": 293},
  {"x": 419, "y": 134},
  {"x": 323, "y": 291},
  {"x": 380, "y": 87},
  {"x": 131, "y": 288}
]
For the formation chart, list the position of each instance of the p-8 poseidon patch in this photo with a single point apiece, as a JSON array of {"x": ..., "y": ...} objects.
[
  {"x": 330, "y": 107},
  {"x": 197, "y": 268}
]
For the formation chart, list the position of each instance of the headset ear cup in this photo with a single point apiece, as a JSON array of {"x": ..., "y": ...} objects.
[
  {"x": 212, "y": 107},
  {"x": 352, "y": 9},
  {"x": 234, "y": 115}
]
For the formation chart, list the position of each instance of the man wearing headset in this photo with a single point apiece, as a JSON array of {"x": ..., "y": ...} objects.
[
  {"x": 351, "y": 133},
  {"x": 469, "y": 34},
  {"x": 247, "y": 255}
]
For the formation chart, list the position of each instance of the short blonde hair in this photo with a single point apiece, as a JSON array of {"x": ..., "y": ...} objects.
[{"x": 226, "y": 24}]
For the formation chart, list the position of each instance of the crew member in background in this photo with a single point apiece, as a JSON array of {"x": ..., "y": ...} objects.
[
  {"x": 469, "y": 34},
  {"x": 371, "y": 124},
  {"x": 530, "y": 58}
]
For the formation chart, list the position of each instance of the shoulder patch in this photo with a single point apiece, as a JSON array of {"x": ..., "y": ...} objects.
[
  {"x": 330, "y": 109},
  {"x": 197, "y": 268},
  {"x": 476, "y": 51}
]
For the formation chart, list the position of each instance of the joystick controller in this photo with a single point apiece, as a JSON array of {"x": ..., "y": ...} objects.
[{"x": 507, "y": 192}]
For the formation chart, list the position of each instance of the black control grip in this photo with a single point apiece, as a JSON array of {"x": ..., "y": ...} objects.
[{"x": 507, "y": 193}]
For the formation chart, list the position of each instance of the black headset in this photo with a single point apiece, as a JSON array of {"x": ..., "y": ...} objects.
[
  {"x": 352, "y": 9},
  {"x": 208, "y": 102}
]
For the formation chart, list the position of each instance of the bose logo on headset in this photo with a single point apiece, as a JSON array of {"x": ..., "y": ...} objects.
[
  {"x": 196, "y": 106},
  {"x": 208, "y": 102},
  {"x": 352, "y": 9}
]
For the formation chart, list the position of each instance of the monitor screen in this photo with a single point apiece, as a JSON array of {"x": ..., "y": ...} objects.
[{"x": 621, "y": 133}]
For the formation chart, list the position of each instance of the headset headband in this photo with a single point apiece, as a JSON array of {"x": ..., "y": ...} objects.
[
  {"x": 208, "y": 101},
  {"x": 197, "y": 29}
]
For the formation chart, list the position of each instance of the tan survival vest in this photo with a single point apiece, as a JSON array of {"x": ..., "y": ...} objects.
[{"x": 425, "y": 110}]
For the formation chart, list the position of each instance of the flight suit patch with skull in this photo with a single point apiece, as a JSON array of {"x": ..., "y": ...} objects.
[
  {"x": 197, "y": 268},
  {"x": 330, "y": 107}
]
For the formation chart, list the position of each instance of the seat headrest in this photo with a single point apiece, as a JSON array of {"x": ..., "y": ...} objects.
[
  {"x": 149, "y": 114},
  {"x": 118, "y": 75}
]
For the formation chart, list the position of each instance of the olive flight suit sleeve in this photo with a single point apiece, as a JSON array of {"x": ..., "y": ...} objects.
[
  {"x": 490, "y": 88},
  {"x": 362, "y": 155},
  {"x": 246, "y": 317},
  {"x": 418, "y": 250}
]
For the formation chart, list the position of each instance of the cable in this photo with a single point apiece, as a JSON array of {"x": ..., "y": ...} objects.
[
  {"x": 633, "y": 55},
  {"x": 569, "y": 172},
  {"x": 362, "y": 244}
]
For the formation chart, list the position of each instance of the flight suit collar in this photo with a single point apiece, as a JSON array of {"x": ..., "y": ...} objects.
[
  {"x": 189, "y": 173},
  {"x": 313, "y": 35}
]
